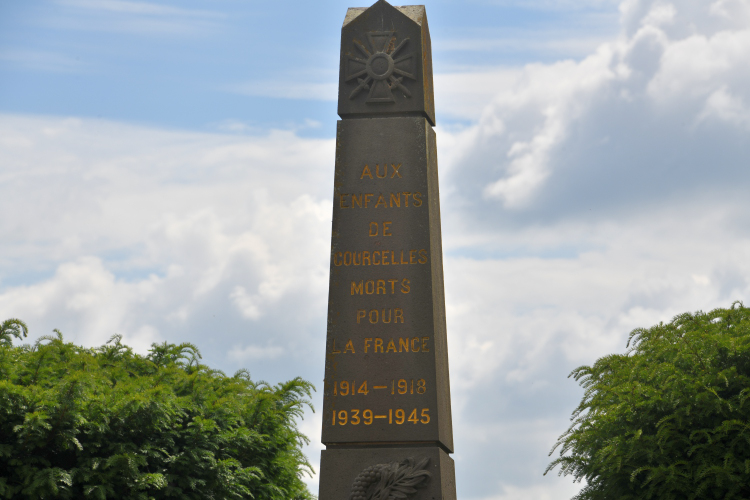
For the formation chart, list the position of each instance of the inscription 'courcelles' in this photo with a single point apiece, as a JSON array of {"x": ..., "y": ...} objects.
[{"x": 380, "y": 258}]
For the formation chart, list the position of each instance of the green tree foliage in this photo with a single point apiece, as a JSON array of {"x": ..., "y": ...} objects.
[
  {"x": 670, "y": 419},
  {"x": 12, "y": 328},
  {"x": 108, "y": 423}
]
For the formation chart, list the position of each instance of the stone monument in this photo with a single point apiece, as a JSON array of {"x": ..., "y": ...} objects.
[{"x": 386, "y": 411}]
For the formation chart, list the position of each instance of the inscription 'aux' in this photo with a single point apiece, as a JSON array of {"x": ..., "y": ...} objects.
[{"x": 366, "y": 172}]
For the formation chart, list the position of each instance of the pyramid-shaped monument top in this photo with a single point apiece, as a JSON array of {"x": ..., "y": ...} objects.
[{"x": 386, "y": 63}]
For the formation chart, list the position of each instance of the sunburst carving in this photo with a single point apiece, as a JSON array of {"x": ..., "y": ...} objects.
[{"x": 382, "y": 68}]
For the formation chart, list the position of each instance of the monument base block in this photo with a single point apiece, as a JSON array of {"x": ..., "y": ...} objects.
[{"x": 421, "y": 473}]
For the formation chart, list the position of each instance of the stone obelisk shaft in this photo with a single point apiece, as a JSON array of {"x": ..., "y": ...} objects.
[{"x": 386, "y": 411}]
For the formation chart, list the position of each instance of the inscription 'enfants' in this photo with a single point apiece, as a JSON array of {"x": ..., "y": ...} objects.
[{"x": 365, "y": 200}]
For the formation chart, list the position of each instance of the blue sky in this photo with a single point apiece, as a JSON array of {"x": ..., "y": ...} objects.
[
  {"x": 198, "y": 65},
  {"x": 166, "y": 173}
]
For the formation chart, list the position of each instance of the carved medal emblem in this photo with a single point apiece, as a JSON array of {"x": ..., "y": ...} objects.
[{"x": 382, "y": 68}]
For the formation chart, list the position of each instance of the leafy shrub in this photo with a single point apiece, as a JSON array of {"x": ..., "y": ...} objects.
[
  {"x": 670, "y": 419},
  {"x": 109, "y": 423}
]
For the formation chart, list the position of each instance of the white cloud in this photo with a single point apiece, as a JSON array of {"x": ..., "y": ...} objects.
[
  {"x": 143, "y": 8},
  {"x": 587, "y": 198},
  {"x": 555, "y": 131},
  {"x": 519, "y": 321},
  {"x": 724, "y": 106},
  {"x": 252, "y": 353},
  {"x": 549, "y": 44},
  {"x": 660, "y": 15},
  {"x": 288, "y": 89},
  {"x": 590, "y": 198},
  {"x": 37, "y": 60},
  {"x": 540, "y": 492},
  {"x": 180, "y": 226},
  {"x": 464, "y": 94},
  {"x": 555, "y": 5},
  {"x": 134, "y": 17},
  {"x": 735, "y": 11}
]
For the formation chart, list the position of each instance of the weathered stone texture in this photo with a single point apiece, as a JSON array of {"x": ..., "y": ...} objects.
[
  {"x": 386, "y": 406},
  {"x": 386, "y": 63}
]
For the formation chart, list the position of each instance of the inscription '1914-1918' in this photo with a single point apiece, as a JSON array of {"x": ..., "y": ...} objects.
[{"x": 347, "y": 388}]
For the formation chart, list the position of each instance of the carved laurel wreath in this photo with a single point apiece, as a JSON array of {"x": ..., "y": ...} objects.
[{"x": 393, "y": 481}]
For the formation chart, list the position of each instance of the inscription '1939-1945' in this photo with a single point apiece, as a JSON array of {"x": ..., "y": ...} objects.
[{"x": 343, "y": 417}]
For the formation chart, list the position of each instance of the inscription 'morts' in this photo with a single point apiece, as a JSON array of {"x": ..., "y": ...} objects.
[{"x": 377, "y": 287}]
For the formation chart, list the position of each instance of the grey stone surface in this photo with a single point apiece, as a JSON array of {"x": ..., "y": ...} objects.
[
  {"x": 343, "y": 467},
  {"x": 386, "y": 63},
  {"x": 386, "y": 401},
  {"x": 386, "y": 316}
]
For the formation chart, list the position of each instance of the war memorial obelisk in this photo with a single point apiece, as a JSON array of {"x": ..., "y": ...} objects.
[{"x": 386, "y": 408}]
